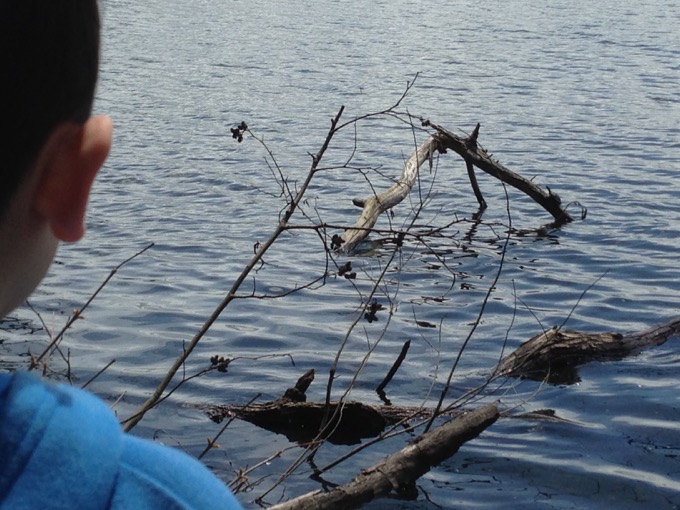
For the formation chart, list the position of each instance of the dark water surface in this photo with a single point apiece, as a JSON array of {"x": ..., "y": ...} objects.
[{"x": 582, "y": 96}]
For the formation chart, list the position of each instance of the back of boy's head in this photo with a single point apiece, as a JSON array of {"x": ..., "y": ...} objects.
[{"x": 49, "y": 55}]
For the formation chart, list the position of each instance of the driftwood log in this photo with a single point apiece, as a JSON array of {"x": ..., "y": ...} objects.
[
  {"x": 349, "y": 422},
  {"x": 301, "y": 422},
  {"x": 375, "y": 205},
  {"x": 399, "y": 471},
  {"x": 554, "y": 355},
  {"x": 473, "y": 155}
]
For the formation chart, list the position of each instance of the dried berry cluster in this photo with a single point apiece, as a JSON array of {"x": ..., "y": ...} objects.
[
  {"x": 237, "y": 132},
  {"x": 336, "y": 242},
  {"x": 346, "y": 271},
  {"x": 220, "y": 362},
  {"x": 372, "y": 309}
]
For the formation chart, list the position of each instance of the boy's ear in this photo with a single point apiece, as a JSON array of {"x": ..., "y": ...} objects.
[{"x": 68, "y": 165}]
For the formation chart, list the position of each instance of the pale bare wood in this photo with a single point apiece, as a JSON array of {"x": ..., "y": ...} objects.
[
  {"x": 473, "y": 155},
  {"x": 375, "y": 205}
]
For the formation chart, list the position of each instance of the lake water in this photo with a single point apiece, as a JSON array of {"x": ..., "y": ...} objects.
[{"x": 581, "y": 96}]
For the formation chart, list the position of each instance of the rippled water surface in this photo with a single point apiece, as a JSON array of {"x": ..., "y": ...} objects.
[{"x": 583, "y": 97}]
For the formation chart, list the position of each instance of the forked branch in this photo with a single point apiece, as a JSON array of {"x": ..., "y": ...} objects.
[
  {"x": 469, "y": 150},
  {"x": 473, "y": 155}
]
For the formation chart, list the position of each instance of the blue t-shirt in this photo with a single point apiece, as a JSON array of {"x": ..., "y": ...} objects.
[{"x": 62, "y": 448}]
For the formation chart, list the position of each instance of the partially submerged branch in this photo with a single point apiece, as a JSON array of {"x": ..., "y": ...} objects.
[
  {"x": 399, "y": 471},
  {"x": 305, "y": 422},
  {"x": 468, "y": 149},
  {"x": 375, "y": 205},
  {"x": 554, "y": 355},
  {"x": 473, "y": 155}
]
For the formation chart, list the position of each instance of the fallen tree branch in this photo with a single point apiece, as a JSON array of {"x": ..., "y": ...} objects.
[
  {"x": 554, "y": 355},
  {"x": 375, "y": 205},
  {"x": 473, "y": 155},
  {"x": 300, "y": 421},
  {"x": 399, "y": 471},
  {"x": 468, "y": 149},
  {"x": 551, "y": 356}
]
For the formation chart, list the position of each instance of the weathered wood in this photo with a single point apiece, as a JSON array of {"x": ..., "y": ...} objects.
[
  {"x": 553, "y": 356},
  {"x": 380, "y": 390},
  {"x": 473, "y": 155},
  {"x": 346, "y": 422},
  {"x": 399, "y": 471},
  {"x": 467, "y": 148},
  {"x": 375, "y": 205},
  {"x": 301, "y": 421},
  {"x": 475, "y": 186}
]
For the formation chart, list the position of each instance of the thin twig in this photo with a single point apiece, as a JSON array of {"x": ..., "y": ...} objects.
[
  {"x": 479, "y": 316},
  {"x": 78, "y": 313},
  {"x": 91, "y": 379},
  {"x": 393, "y": 370},
  {"x": 212, "y": 442}
]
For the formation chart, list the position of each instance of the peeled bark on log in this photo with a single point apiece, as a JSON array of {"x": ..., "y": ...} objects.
[
  {"x": 400, "y": 470},
  {"x": 375, "y": 205},
  {"x": 554, "y": 355}
]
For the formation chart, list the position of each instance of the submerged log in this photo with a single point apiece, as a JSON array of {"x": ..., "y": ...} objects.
[
  {"x": 399, "y": 471},
  {"x": 346, "y": 422},
  {"x": 553, "y": 356},
  {"x": 301, "y": 422},
  {"x": 351, "y": 421}
]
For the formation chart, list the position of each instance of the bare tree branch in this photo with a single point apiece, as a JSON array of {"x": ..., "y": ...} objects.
[{"x": 400, "y": 470}]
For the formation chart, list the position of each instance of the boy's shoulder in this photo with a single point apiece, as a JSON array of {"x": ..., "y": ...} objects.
[{"x": 63, "y": 448}]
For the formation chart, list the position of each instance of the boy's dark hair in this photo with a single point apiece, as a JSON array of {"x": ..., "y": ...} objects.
[{"x": 49, "y": 56}]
